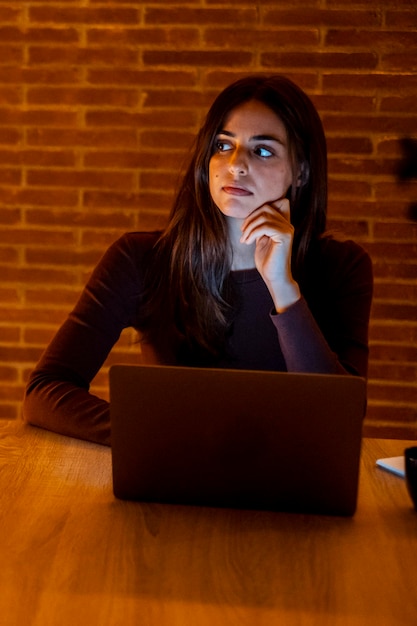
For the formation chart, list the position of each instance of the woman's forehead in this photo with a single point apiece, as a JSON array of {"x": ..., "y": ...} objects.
[{"x": 254, "y": 119}]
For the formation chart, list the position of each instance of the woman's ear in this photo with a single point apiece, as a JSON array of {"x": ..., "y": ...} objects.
[{"x": 303, "y": 174}]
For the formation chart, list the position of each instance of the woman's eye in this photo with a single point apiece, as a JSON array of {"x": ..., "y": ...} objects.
[
  {"x": 263, "y": 152},
  {"x": 223, "y": 146}
]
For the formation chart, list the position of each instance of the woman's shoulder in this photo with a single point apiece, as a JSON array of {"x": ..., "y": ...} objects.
[
  {"x": 138, "y": 239},
  {"x": 126, "y": 257},
  {"x": 340, "y": 251},
  {"x": 133, "y": 246},
  {"x": 337, "y": 262}
]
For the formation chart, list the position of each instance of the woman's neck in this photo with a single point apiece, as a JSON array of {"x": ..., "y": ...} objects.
[{"x": 243, "y": 255}]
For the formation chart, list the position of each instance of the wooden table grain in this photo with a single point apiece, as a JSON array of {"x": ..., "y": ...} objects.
[{"x": 73, "y": 555}]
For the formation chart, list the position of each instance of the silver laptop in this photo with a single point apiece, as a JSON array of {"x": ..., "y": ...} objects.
[{"x": 236, "y": 438}]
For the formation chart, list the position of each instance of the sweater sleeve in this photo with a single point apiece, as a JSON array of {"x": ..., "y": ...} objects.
[
  {"x": 327, "y": 330},
  {"x": 57, "y": 395},
  {"x": 302, "y": 343}
]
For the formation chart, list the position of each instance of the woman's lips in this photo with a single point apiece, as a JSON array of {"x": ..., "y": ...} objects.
[{"x": 236, "y": 191}]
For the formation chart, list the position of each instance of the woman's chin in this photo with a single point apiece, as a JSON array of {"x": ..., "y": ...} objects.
[{"x": 236, "y": 210}]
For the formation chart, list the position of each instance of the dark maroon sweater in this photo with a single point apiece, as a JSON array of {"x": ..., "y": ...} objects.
[{"x": 326, "y": 331}]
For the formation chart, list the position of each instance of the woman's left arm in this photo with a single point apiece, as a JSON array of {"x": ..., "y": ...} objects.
[{"x": 327, "y": 330}]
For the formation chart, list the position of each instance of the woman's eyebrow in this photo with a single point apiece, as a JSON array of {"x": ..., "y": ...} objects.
[
  {"x": 255, "y": 137},
  {"x": 267, "y": 138}
]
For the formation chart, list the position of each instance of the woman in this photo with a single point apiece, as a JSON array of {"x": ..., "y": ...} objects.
[{"x": 242, "y": 277}]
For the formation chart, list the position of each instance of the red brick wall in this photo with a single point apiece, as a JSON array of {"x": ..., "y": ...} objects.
[{"x": 99, "y": 101}]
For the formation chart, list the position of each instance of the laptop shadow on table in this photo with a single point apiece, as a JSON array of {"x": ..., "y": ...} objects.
[{"x": 219, "y": 556}]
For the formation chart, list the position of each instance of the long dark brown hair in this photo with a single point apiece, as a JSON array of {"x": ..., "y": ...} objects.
[{"x": 187, "y": 284}]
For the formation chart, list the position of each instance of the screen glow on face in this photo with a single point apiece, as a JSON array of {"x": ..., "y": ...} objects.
[{"x": 250, "y": 165}]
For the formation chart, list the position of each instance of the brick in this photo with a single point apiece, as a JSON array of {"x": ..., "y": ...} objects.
[
  {"x": 36, "y": 237},
  {"x": 10, "y": 136},
  {"x": 23, "y": 353},
  {"x": 400, "y": 252},
  {"x": 9, "y": 334},
  {"x": 10, "y": 14},
  {"x": 30, "y": 275},
  {"x": 37, "y": 117},
  {"x": 145, "y": 36},
  {"x": 402, "y": 18},
  {"x": 11, "y": 54},
  {"x": 349, "y": 145},
  {"x": 219, "y": 78},
  {"x": 95, "y": 199},
  {"x": 30, "y": 35},
  {"x": 100, "y": 240},
  {"x": 322, "y": 17},
  {"x": 392, "y": 371},
  {"x": 127, "y": 36},
  {"x": 58, "y": 256},
  {"x": 82, "y": 96},
  {"x": 10, "y": 295},
  {"x": 375, "y": 39},
  {"x": 391, "y": 147},
  {"x": 88, "y": 179},
  {"x": 399, "y": 104},
  {"x": 357, "y": 229},
  {"x": 9, "y": 176},
  {"x": 141, "y": 78},
  {"x": 391, "y": 268},
  {"x": 83, "y": 15},
  {"x": 398, "y": 125},
  {"x": 375, "y": 82},
  {"x": 69, "y": 55},
  {"x": 11, "y": 96},
  {"x": 56, "y": 137},
  {"x": 128, "y": 159},
  {"x": 168, "y": 139},
  {"x": 400, "y": 61},
  {"x": 151, "y": 220},
  {"x": 8, "y": 255},
  {"x": 29, "y": 75},
  {"x": 265, "y": 39},
  {"x": 186, "y": 15},
  {"x": 395, "y": 311},
  {"x": 394, "y": 352},
  {"x": 354, "y": 189},
  {"x": 398, "y": 291},
  {"x": 337, "y": 60},
  {"x": 125, "y": 200},
  {"x": 57, "y": 296},
  {"x": 38, "y": 336},
  {"x": 8, "y": 374},
  {"x": 73, "y": 219},
  {"x": 371, "y": 208},
  {"x": 179, "y": 98},
  {"x": 406, "y": 394},
  {"x": 37, "y": 157},
  {"x": 36, "y": 315},
  {"x": 43, "y": 197},
  {"x": 359, "y": 167},
  {"x": 395, "y": 190},
  {"x": 197, "y": 57},
  {"x": 9, "y": 411},
  {"x": 343, "y": 103},
  {"x": 160, "y": 200},
  {"x": 168, "y": 118},
  {"x": 153, "y": 180},
  {"x": 395, "y": 230}
]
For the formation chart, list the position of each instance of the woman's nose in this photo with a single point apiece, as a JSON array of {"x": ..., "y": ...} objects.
[{"x": 238, "y": 164}]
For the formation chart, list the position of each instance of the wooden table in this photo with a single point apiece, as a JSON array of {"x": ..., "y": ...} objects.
[{"x": 73, "y": 555}]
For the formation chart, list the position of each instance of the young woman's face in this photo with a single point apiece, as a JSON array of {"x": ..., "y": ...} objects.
[{"x": 251, "y": 164}]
